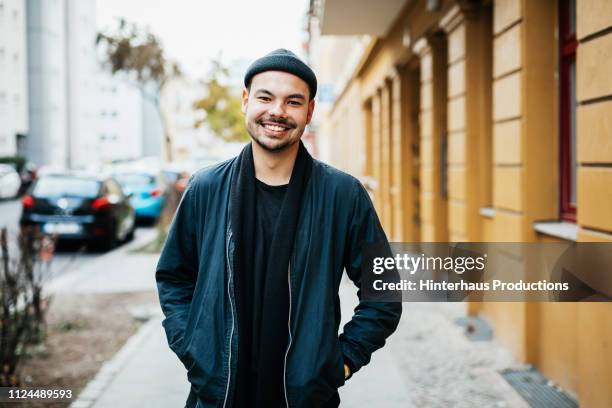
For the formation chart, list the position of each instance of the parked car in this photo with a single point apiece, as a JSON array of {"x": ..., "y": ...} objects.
[
  {"x": 147, "y": 192},
  {"x": 177, "y": 179},
  {"x": 80, "y": 207},
  {"x": 9, "y": 181}
]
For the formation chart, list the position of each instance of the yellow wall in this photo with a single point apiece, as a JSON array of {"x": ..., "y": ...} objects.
[
  {"x": 594, "y": 142},
  {"x": 494, "y": 98}
]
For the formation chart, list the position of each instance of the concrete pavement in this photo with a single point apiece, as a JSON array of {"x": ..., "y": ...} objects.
[
  {"x": 143, "y": 373},
  {"x": 428, "y": 362}
]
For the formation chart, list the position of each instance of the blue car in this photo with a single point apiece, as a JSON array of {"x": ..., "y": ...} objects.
[{"x": 147, "y": 194}]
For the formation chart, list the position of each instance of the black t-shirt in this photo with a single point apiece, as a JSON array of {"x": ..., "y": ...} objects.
[{"x": 269, "y": 201}]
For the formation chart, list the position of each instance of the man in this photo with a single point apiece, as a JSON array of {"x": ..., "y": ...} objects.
[{"x": 248, "y": 278}]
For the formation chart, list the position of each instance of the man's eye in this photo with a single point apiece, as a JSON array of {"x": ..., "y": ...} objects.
[
  {"x": 295, "y": 103},
  {"x": 264, "y": 99}
]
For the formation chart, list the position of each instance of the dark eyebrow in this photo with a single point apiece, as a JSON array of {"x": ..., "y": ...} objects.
[
  {"x": 265, "y": 91},
  {"x": 292, "y": 96},
  {"x": 296, "y": 96}
]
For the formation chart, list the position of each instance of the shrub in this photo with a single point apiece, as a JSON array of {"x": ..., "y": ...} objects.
[{"x": 22, "y": 303}]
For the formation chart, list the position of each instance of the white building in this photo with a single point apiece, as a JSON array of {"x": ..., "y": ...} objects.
[
  {"x": 177, "y": 103},
  {"x": 128, "y": 125},
  {"x": 152, "y": 129},
  {"x": 13, "y": 76},
  {"x": 119, "y": 120},
  {"x": 81, "y": 69},
  {"x": 62, "y": 90}
]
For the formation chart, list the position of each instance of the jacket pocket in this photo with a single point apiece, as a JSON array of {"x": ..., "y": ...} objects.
[{"x": 174, "y": 326}]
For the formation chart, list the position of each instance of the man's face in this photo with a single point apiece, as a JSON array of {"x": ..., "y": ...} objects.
[{"x": 277, "y": 109}]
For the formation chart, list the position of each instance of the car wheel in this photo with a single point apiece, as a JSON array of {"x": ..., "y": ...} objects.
[
  {"x": 130, "y": 235},
  {"x": 109, "y": 242},
  {"x": 113, "y": 242}
]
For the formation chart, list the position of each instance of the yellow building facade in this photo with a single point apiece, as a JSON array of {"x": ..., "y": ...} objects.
[{"x": 476, "y": 122}]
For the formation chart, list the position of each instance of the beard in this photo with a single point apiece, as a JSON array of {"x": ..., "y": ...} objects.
[{"x": 254, "y": 128}]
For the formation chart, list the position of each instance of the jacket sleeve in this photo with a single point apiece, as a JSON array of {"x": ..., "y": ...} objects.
[
  {"x": 373, "y": 321},
  {"x": 177, "y": 270}
]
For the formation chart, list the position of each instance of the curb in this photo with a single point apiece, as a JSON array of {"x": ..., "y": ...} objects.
[{"x": 109, "y": 370}]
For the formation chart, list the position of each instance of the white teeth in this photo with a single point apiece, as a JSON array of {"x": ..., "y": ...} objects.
[{"x": 275, "y": 128}]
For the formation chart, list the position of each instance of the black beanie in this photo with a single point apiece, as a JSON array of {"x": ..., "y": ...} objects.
[{"x": 286, "y": 61}]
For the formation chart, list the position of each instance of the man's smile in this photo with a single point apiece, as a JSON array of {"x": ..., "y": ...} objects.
[{"x": 276, "y": 128}]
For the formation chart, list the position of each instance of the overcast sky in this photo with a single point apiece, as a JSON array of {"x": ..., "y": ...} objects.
[{"x": 195, "y": 31}]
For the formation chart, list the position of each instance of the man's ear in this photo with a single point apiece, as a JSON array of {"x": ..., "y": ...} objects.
[
  {"x": 311, "y": 106},
  {"x": 245, "y": 99}
]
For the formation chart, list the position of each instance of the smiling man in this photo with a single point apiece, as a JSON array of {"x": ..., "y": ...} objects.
[{"x": 249, "y": 275}]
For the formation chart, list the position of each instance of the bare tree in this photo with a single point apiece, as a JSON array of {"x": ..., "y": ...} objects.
[
  {"x": 22, "y": 304},
  {"x": 138, "y": 52}
]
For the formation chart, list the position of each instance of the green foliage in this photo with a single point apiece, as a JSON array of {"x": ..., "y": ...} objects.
[
  {"x": 16, "y": 161},
  {"x": 222, "y": 107}
]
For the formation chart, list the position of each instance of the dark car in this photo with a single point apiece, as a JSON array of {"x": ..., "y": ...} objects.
[{"x": 79, "y": 207}]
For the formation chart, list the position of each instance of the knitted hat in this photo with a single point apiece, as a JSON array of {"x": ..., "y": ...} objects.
[{"x": 286, "y": 61}]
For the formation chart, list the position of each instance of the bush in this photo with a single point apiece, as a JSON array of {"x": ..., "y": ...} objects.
[
  {"x": 16, "y": 161},
  {"x": 22, "y": 304}
]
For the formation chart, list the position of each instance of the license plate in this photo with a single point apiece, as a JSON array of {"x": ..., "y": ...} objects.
[{"x": 62, "y": 228}]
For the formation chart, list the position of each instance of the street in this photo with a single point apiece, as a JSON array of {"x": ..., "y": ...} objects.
[{"x": 67, "y": 258}]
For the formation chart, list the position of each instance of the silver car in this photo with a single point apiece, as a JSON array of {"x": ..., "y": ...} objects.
[{"x": 9, "y": 181}]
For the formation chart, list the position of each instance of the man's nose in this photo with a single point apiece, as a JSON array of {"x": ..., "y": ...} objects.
[{"x": 277, "y": 109}]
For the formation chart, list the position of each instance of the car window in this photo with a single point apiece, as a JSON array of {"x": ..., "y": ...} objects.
[
  {"x": 171, "y": 177},
  {"x": 4, "y": 170},
  {"x": 131, "y": 179},
  {"x": 63, "y": 186}
]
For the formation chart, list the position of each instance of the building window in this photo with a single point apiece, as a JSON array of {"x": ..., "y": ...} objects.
[{"x": 567, "y": 109}]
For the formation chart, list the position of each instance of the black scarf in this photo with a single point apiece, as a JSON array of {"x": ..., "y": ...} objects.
[{"x": 274, "y": 332}]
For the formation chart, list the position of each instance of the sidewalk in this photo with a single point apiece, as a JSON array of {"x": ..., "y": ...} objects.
[
  {"x": 143, "y": 373},
  {"x": 119, "y": 270},
  {"x": 428, "y": 362}
]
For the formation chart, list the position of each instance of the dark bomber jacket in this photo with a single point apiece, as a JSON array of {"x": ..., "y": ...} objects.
[{"x": 196, "y": 287}]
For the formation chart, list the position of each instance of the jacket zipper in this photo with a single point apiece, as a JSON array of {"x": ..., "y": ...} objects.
[
  {"x": 229, "y": 364},
  {"x": 290, "y": 337}
]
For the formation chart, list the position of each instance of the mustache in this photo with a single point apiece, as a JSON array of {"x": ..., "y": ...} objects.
[{"x": 278, "y": 121}]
